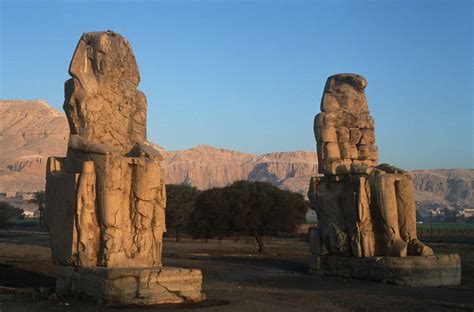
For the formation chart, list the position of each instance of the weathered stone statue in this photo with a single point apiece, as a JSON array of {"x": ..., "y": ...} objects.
[
  {"x": 106, "y": 199},
  {"x": 364, "y": 209}
]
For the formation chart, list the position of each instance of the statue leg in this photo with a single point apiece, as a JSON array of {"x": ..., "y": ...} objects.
[
  {"x": 87, "y": 225},
  {"x": 147, "y": 190},
  {"x": 387, "y": 202},
  {"x": 364, "y": 221},
  {"x": 112, "y": 204},
  {"x": 407, "y": 217}
]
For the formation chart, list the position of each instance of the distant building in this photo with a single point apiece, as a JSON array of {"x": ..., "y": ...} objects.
[
  {"x": 28, "y": 214},
  {"x": 435, "y": 212},
  {"x": 27, "y": 196},
  {"x": 467, "y": 212},
  {"x": 10, "y": 194}
]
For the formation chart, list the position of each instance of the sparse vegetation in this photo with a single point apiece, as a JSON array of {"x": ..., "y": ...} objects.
[
  {"x": 8, "y": 213},
  {"x": 180, "y": 201},
  {"x": 429, "y": 231},
  {"x": 244, "y": 208},
  {"x": 39, "y": 198}
]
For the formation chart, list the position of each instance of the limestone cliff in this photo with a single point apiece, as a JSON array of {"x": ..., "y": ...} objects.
[
  {"x": 205, "y": 167},
  {"x": 30, "y": 131},
  {"x": 441, "y": 187}
]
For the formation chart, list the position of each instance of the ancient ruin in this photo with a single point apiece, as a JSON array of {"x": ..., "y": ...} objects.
[
  {"x": 106, "y": 200},
  {"x": 366, "y": 211}
]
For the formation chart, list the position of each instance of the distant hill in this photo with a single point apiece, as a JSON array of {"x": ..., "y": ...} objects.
[
  {"x": 444, "y": 187},
  {"x": 30, "y": 131},
  {"x": 205, "y": 167}
]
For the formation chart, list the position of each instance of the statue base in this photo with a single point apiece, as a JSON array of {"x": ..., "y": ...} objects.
[
  {"x": 131, "y": 286},
  {"x": 412, "y": 271}
]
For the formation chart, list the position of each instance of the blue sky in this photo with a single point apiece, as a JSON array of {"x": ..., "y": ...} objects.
[{"x": 248, "y": 75}]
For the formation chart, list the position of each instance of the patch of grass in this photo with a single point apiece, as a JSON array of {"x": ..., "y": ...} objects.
[
  {"x": 445, "y": 230},
  {"x": 25, "y": 221}
]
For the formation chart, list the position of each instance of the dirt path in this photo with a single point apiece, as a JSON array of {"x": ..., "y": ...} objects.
[{"x": 238, "y": 279}]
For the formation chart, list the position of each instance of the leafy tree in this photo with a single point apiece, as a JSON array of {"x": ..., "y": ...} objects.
[
  {"x": 8, "y": 212},
  {"x": 180, "y": 201},
  {"x": 247, "y": 208},
  {"x": 39, "y": 198},
  {"x": 210, "y": 216}
]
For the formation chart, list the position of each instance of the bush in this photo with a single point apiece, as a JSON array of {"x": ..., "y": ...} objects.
[
  {"x": 247, "y": 208},
  {"x": 180, "y": 201},
  {"x": 7, "y": 213}
]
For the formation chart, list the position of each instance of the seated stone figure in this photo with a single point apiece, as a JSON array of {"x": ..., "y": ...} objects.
[
  {"x": 364, "y": 209},
  {"x": 109, "y": 189}
]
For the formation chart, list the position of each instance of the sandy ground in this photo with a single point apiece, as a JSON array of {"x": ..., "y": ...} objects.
[{"x": 236, "y": 278}]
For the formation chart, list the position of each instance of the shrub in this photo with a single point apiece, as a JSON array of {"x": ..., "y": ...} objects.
[
  {"x": 7, "y": 213},
  {"x": 247, "y": 208}
]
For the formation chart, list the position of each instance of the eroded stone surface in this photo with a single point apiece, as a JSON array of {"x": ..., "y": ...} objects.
[
  {"x": 365, "y": 210},
  {"x": 119, "y": 198},
  {"x": 106, "y": 200},
  {"x": 140, "y": 286},
  {"x": 414, "y": 271}
]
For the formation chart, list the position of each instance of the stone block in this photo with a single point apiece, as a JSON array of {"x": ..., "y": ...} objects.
[
  {"x": 412, "y": 271},
  {"x": 348, "y": 150},
  {"x": 366, "y": 162},
  {"x": 131, "y": 286},
  {"x": 325, "y": 119},
  {"x": 367, "y": 137},
  {"x": 326, "y": 134},
  {"x": 334, "y": 166},
  {"x": 360, "y": 168},
  {"x": 345, "y": 119},
  {"x": 364, "y": 151},
  {"x": 365, "y": 121},
  {"x": 343, "y": 134},
  {"x": 330, "y": 119},
  {"x": 355, "y": 135},
  {"x": 331, "y": 151},
  {"x": 329, "y": 103}
]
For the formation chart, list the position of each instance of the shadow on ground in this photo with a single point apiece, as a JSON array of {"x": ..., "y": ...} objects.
[{"x": 15, "y": 277}]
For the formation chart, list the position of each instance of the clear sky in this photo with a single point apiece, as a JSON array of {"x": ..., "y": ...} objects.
[{"x": 248, "y": 75}]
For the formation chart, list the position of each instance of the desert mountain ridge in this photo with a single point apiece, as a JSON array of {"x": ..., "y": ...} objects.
[{"x": 31, "y": 131}]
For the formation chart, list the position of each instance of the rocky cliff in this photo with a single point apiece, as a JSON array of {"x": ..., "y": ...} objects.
[
  {"x": 205, "y": 167},
  {"x": 442, "y": 187},
  {"x": 30, "y": 131}
]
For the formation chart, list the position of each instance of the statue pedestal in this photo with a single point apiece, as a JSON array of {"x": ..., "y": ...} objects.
[
  {"x": 412, "y": 271},
  {"x": 131, "y": 286}
]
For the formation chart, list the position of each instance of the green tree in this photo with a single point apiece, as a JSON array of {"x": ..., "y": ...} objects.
[
  {"x": 248, "y": 208},
  {"x": 39, "y": 198},
  {"x": 210, "y": 216},
  {"x": 180, "y": 201},
  {"x": 7, "y": 213}
]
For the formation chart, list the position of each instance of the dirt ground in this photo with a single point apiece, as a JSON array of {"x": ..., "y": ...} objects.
[{"x": 236, "y": 278}]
